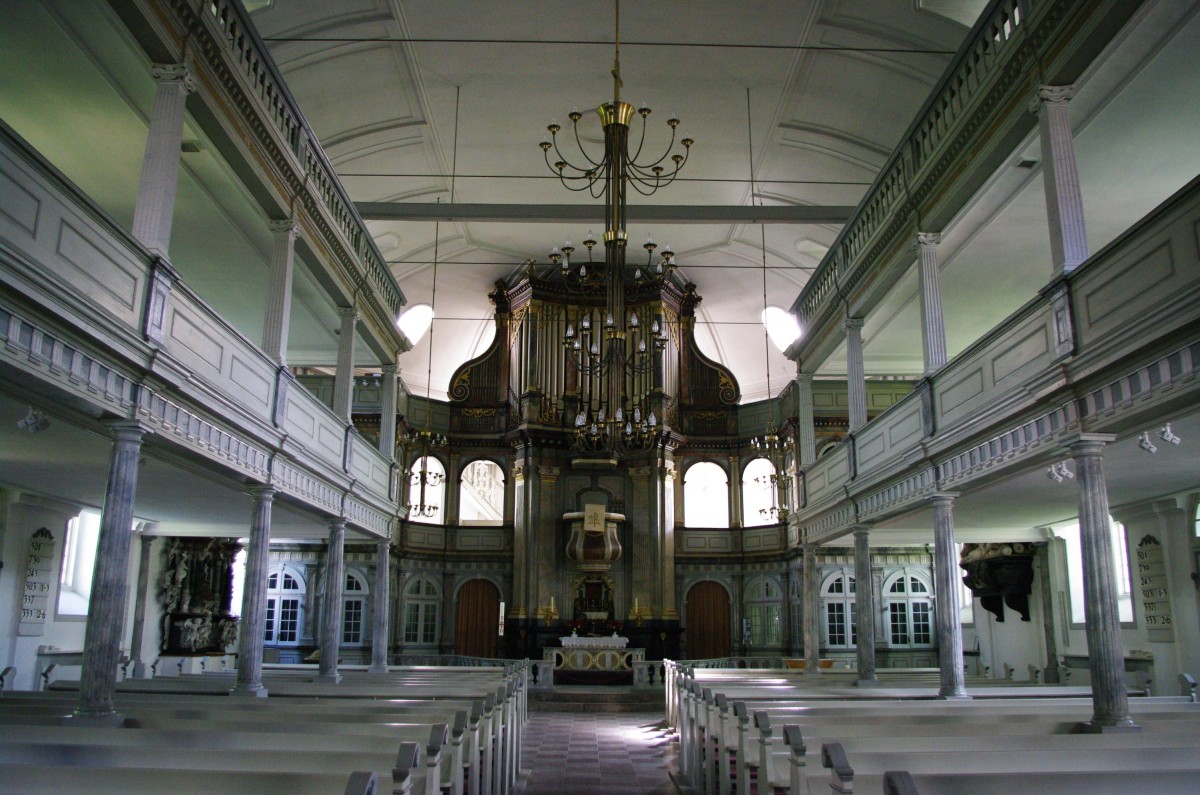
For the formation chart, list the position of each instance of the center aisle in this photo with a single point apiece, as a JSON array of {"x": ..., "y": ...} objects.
[{"x": 595, "y": 753}]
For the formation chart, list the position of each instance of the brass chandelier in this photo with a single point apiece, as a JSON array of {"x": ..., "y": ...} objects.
[{"x": 614, "y": 422}]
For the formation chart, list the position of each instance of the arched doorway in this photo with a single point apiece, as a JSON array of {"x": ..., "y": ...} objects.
[
  {"x": 707, "y": 616},
  {"x": 477, "y": 619}
]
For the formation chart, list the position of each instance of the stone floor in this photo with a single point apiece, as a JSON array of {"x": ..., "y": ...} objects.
[{"x": 595, "y": 753}]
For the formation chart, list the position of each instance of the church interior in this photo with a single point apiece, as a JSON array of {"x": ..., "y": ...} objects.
[{"x": 606, "y": 345}]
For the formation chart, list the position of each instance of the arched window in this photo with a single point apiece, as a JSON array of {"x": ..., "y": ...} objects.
[
  {"x": 354, "y": 609},
  {"x": 763, "y": 608},
  {"x": 908, "y": 602},
  {"x": 840, "y": 615},
  {"x": 760, "y": 500},
  {"x": 705, "y": 496},
  {"x": 285, "y": 602},
  {"x": 422, "y": 604},
  {"x": 481, "y": 494},
  {"x": 427, "y": 491}
]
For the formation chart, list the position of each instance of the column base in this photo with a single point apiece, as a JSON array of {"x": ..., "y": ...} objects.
[
  {"x": 870, "y": 681},
  {"x": 377, "y": 669},
  {"x": 960, "y": 695},
  {"x": 327, "y": 679},
  {"x": 1126, "y": 726},
  {"x": 109, "y": 720},
  {"x": 249, "y": 691},
  {"x": 139, "y": 670}
]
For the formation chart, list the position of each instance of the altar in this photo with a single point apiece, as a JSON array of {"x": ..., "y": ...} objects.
[{"x": 593, "y": 660}]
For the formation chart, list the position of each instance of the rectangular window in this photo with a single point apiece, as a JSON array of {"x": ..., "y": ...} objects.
[
  {"x": 412, "y": 623},
  {"x": 269, "y": 624},
  {"x": 853, "y": 624},
  {"x": 764, "y": 624},
  {"x": 1120, "y": 555},
  {"x": 289, "y": 615},
  {"x": 898, "y": 624},
  {"x": 78, "y": 564},
  {"x": 922, "y": 627},
  {"x": 835, "y": 623},
  {"x": 352, "y": 621},
  {"x": 429, "y": 625}
]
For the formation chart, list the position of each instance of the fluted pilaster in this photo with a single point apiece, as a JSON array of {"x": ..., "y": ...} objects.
[
  {"x": 279, "y": 291},
  {"x": 343, "y": 380},
  {"x": 1060, "y": 176},
  {"x": 856, "y": 383},
  {"x": 387, "y": 412},
  {"x": 933, "y": 324},
  {"x": 155, "y": 206}
]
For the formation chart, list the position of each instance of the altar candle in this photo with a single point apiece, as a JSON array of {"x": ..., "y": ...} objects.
[
  {"x": 635, "y": 604},
  {"x": 551, "y": 602}
]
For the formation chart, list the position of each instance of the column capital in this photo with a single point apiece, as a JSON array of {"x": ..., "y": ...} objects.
[
  {"x": 286, "y": 225},
  {"x": 174, "y": 73},
  {"x": 1051, "y": 95},
  {"x": 853, "y": 323},
  {"x": 389, "y": 369},
  {"x": 347, "y": 311},
  {"x": 805, "y": 378},
  {"x": 863, "y": 530},
  {"x": 1087, "y": 443},
  {"x": 927, "y": 239},
  {"x": 128, "y": 430},
  {"x": 264, "y": 493},
  {"x": 942, "y": 496}
]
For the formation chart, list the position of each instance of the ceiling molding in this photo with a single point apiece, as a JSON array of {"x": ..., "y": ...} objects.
[{"x": 575, "y": 213}]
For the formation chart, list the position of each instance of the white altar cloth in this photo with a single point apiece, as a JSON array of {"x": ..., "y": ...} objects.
[{"x": 609, "y": 642}]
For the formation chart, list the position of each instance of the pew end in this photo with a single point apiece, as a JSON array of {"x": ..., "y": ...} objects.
[
  {"x": 899, "y": 782},
  {"x": 1187, "y": 687},
  {"x": 833, "y": 757},
  {"x": 362, "y": 782}
]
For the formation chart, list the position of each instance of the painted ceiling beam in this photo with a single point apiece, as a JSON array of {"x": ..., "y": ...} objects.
[{"x": 578, "y": 213}]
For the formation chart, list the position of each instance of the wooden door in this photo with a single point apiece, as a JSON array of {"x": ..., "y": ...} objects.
[
  {"x": 477, "y": 619},
  {"x": 707, "y": 615}
]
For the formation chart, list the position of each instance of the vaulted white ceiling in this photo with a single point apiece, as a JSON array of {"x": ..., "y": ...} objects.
[{"x": 428, "y": 100}]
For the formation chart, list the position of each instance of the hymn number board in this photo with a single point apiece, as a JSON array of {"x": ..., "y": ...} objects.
[
  {"x": 39, "y": 579},
  {"x": 1156, "y": 597}
]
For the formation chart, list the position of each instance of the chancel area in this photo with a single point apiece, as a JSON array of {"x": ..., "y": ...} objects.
[{"x": 821, "y": 374}]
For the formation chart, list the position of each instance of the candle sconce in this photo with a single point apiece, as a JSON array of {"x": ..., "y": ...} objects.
[{"x": 639, "y": 614}]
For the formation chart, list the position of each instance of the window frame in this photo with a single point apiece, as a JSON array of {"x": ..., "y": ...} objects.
[
  {"x": 275, "y": 601},
  {"x": 846, "y": 598},
  {"x": 764, "y": 609},
  {"x": 701, "y": 511},
  {"x": 422, "y": 600},
  {"x": 906, "y": 600},
  {"x": 355, "y": 599}
]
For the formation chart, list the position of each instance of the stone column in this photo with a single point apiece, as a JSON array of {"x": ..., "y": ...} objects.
[
  {"x": 139, "y": 605},
  {"x": 856, "y": 384},
  {"x": 279, "y": 291},
  {"x": 864, "y": 606},
  {"x": 1060, "y": 176},
  {"x": 1106, "y": 656},
  {"x": 387, "y": 412},
  {"x": 343, "y": 381},
  {"x": 379, "y": 606},
  {"x": 734, "y": 491},
  {"x": 331, "y": 613},
  {"x": 254, "y": 597},
  {"x": 946, "y": 600},
  {"x": 155, "y": 204},
  {"x": 106, "y": 609},
  {"x": 665, "y": 508},
  {"x": 933, "y": 324},
  {"x": 806, "y": 431},
  {"x": 812, "y": 611}
]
